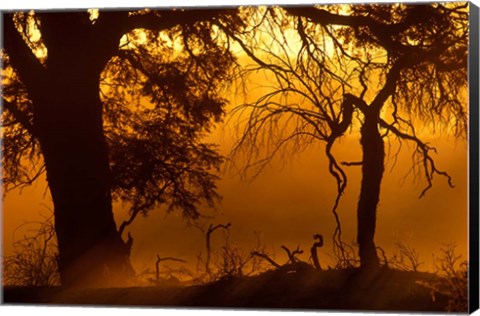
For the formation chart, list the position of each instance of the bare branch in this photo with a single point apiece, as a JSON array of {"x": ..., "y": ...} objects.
[
  {"x": 208, "y": 234},
  {"x": 291, "y": 254},
  {"x": 157, "y": 264},
  {"x": 266, "y": 258},
  {"x": 351, "y": 163},
  {"x": 424, "y": 150}
]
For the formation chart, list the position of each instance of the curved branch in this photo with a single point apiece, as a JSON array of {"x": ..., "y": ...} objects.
[
  {"x": 22, "y": 59},
  {"x": 276, "y": 69},
  {"x": 210, "y": 230},
  {"x": 157, "y": 264},
  {"x": 383, "y": 32},
  {"x": 291, "y": 254},
  {"x": 428, "y": 162},
  {"x": 313, "y": 250},
  {"x": 390, "y": 85},
  {"x": 137, "y": 210},
  {"x": 166, "y": 19}
]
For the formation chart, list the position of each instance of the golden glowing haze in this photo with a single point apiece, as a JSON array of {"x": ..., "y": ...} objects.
[
  {"x": 292, "y": 199},
  {"x": 289, "y": 202}
]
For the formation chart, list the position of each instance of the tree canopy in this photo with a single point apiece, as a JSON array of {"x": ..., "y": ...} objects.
[
  {"x": 113, "y": 104},
  {"x": 377, "y": 70},
  {"x": 160, "y": 94}
]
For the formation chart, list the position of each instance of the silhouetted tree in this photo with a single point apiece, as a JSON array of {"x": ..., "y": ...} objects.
[
  {"x": 112, "y": 105},
  {"x": 334, "y": 69},
  {"x": 208, "y": 246}
]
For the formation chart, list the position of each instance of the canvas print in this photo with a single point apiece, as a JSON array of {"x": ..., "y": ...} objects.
[{"x": 309, "y": 157}]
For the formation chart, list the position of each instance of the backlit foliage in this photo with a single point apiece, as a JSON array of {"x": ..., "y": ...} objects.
[
  {"x": 161, "y": 97},
  {"x": 329, "y": 68}
]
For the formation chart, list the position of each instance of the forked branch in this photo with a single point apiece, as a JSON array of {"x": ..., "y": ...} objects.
[
  {"x": 208, "y": 234},
  {"x": 291, "y": 254}
]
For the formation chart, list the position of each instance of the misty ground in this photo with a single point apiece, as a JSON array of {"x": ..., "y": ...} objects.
[{"x": 386, "y": 290}]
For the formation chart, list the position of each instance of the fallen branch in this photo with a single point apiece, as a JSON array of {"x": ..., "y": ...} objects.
[
  {"x": 266, "y": 258},
  {"x": 157, "y": 264}
]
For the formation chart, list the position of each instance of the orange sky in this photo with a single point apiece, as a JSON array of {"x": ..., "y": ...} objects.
[{"x": 290, "y": 201}]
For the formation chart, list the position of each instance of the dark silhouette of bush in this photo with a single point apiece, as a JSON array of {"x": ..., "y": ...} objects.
[{"x": 34, "y": 260}]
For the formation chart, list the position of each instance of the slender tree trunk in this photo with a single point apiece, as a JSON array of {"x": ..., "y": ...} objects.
[
  {"x": 68, "y": 120},
  {"x": 372, "y": 172}
]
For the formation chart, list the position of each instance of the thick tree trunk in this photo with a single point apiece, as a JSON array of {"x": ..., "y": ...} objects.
[
  {"x": 68, "y": 120},
  {"x": 372, "y": 173}
]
